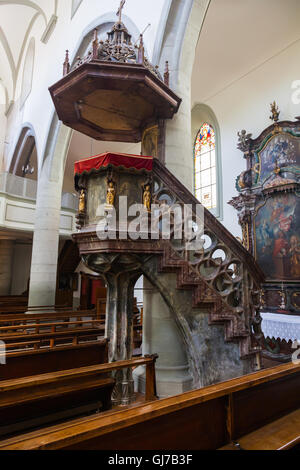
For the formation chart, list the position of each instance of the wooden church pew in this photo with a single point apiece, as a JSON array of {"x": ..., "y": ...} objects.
[
  {"x": 13, "y": 311},
  {"x": 48, "y": 395},
  {"x": 39, "y": 361},
  {"x": 281, "y": 434},
  {"x": 40, "y": 330},
  {"x": 10, "y": 331},
  {"x": 44, "y": 317},
  {"x": 51, "y": 340},
  {"x": 207, "y": 418}
]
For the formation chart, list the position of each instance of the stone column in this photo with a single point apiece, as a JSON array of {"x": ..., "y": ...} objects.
[
  {"x": 179, "y": 43},
  {"x": 119, "y": 330},
  {"x": 6, "y": 259},
  {"x": 120, "y": 272},
  {"x": 47, "y": 221},
  {"x": 161, "y": 336}
]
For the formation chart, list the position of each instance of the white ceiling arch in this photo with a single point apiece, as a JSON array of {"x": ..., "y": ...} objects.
[{"x": 17, "y": 18}]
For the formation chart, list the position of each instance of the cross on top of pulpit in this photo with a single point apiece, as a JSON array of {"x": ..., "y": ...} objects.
[{"x": 119, "y": 12}]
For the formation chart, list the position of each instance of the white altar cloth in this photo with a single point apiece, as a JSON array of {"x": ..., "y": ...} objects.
[{"x": 281, "y": 326}]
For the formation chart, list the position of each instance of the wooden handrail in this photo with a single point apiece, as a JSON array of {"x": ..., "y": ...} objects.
[
  {"x": 72, "y": 334},
  {"x": 33, "y": 351},
  {"x": 149, "y": 361},
  {"x": 47, "y": 315},
  {"x": 54, "y": 325}
]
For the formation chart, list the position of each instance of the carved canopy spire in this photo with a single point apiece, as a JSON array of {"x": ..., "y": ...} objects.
[{"x": 119, "y": 12}]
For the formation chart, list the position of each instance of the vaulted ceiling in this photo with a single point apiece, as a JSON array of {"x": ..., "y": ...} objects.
[
  {"x": 17, "y": 18},
  {"x": 237, "y": 37}
]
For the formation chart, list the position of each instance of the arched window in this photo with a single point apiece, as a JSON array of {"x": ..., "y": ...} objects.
[
  {"x": 205, "y": 166},
  {"x": 25, "y": 160},
  {"x": 207, "y": 159}
]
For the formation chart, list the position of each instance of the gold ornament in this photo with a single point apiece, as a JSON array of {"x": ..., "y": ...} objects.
[
  {"x": 81, "y": 207},
  {"x": 147, "y": 198},
  {"x": 111, "y": 192}
]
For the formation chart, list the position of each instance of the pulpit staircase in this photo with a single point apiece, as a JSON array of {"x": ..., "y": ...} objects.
[
  {"x": 221, "y": 275},
  {"x": 212, "y": 288}
]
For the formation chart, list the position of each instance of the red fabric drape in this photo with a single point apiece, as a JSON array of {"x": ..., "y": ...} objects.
[{"x": 116, "y": 159}]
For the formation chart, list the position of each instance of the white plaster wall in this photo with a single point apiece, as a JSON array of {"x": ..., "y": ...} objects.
[
  {"x": 2, "y": 124},
  {"x": 68, "y": 33},
  {"x": 21, "y": 267},
  {"x": 245, "y": 104},
  {"x": 2, "y": 133}
]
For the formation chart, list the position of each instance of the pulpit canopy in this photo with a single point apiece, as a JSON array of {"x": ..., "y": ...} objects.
[
  {"x": 119, "y": 160},
  {"x": 114, "y": 92}
]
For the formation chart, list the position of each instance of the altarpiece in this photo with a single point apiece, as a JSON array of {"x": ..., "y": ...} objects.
[{"x": 268, "y": 208}]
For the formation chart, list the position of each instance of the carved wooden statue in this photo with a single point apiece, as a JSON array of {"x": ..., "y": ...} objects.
[
  {"x": 147, "y": 198},
  {"x": 111, "y": 193},
  {"x": 81, "y": 208}
]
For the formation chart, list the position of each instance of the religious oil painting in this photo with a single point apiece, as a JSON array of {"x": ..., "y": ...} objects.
[
  {"x": 283, "y": 150},
  {"x": 277, "y": 232}
]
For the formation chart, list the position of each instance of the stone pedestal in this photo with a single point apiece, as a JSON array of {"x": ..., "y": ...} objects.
[
  {"x": 161, "y": 336},
  {"x": 120, "y": 273}
]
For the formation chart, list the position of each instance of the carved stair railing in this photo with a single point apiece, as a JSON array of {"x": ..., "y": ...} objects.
[{"x": 222, "y": 274}]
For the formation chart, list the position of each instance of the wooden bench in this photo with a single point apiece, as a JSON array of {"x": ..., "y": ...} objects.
[
  {"x": 40, "y": 332},
  {"x": 46, "y": 396},
  {"x": 8, "y": 312},
  {"x": 11, "y": 307},
  {"x": 52, "y": 340},
  {"x": 23, "y": 319},
  {"x": 205, "y": 419},
  {"x": 281, "y": 434},
  {"x": 39, "y": 361}
]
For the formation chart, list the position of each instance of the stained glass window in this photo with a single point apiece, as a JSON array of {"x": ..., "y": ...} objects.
[{"x": 205, "y": 167}]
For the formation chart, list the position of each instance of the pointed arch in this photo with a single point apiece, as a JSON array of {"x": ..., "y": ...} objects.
[{"x": 25, "y": 154}]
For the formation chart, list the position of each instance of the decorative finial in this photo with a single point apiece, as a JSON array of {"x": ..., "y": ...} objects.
[
  {"x": 244, "y": 141},
  {"x": 95, "y": 44},
  {"x": 167, "y": 74},
  {"x": 282, "y": 296},
  {"x": 141, "y": 52},
  {"x": 275, "y": 112},
  {"x": 66, "y": 68},
  {"x": 119, "y": 12}
]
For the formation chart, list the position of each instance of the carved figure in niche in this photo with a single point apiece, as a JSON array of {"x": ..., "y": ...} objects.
[
  {"x": 111, "y": 193},
  {"x": 81, "y": 207},
  {"x": 150, "y": 142},
  {"x": 147, "y": 198}
]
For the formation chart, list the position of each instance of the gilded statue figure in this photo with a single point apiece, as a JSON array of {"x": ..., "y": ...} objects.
[
  {"x": 147, "y": 198},
  {"x": 82, "y": 201},
  {"x": 111, "y": 192}
]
